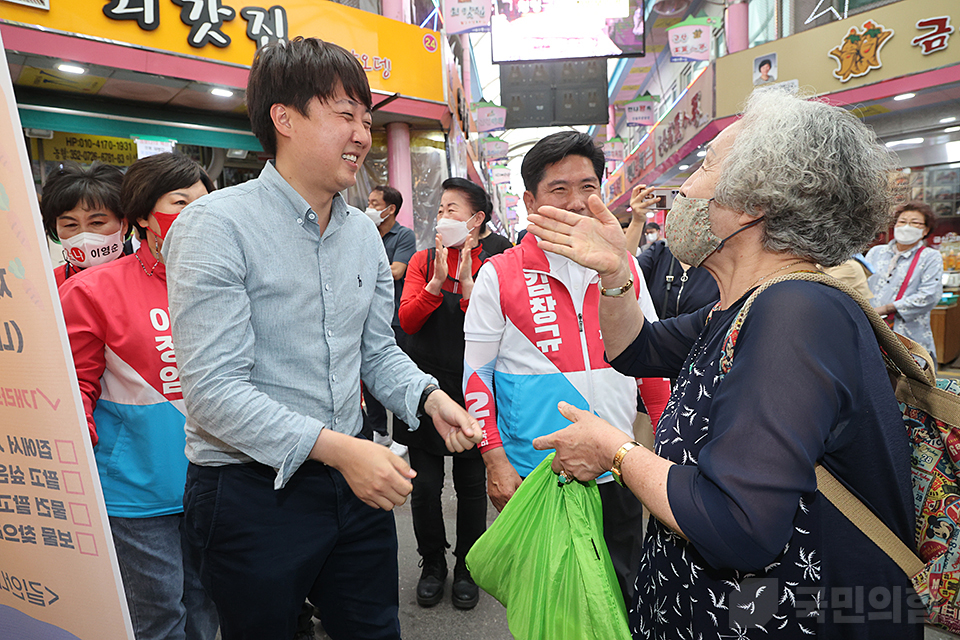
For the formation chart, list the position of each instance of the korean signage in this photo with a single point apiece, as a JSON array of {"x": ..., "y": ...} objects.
[
  {"x": 688, "y": 116},
  {"x": 398, "y": 57},
  {"x": 499, "y": 174},
  {"x": 613, "y": 150},
  {"x": 490, "y": 117},
  {"x": 462, "y": 16},
  {"x": 58, "y": 568},
  {"x": 897, "y": 40},
  {"x": 84, "y": 149},
  {"x": 642, "y": 112},
  {"x": 494, "y": 148},
  {"x": 691, "y": 39}
]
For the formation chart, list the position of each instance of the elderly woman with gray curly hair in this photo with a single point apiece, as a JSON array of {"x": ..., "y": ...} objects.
[{"x": 741, "y": 545}]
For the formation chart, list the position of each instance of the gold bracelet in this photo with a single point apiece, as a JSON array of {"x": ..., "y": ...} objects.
[{"x": 618, "y": 460}]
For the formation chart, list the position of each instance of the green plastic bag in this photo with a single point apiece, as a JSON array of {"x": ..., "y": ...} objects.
[{"x": 545, "y": 560}]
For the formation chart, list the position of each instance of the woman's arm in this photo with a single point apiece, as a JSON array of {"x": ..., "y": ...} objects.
[
  {"x": 86, "y": 330},
  {"x": 417, "y": 303}
]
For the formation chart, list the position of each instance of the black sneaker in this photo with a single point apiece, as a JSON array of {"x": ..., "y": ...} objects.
[
  {"x": 430, "y": 586},
  {"x": 466, "y": 593}
]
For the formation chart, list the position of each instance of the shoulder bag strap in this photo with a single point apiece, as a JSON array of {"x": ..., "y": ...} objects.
[
  {"x": 906, "y": 279},
  {"x": 864, "y": 519}
]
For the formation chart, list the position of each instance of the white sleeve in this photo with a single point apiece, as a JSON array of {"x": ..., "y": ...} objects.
[
  {"x": 484, "y": 321},
  {"x": 644, "y": 299}
]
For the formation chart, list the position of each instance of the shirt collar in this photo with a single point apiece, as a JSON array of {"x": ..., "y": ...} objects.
[{"x": 300, "y": 208}]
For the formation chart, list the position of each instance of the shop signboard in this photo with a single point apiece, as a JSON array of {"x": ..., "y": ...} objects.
[
  {"x": 642, "y": 112},
  {"x": 613, "y": 150},
  {"x": 490, "y": 117},
  {"x": 690, "y": 40},
  {"x": 398, "y": 57},
  {"x": 691, "y": 114},
  {"x": 499, "y": 174},
  {"x": 494, "y": 148},
  {"x": 464, "y": 16},
  {"x": 58, "y": 570},
  {"x": 898, "y": 40},
  {"x": 614, "y": 187},
  {"x": 120, "y": 152}
]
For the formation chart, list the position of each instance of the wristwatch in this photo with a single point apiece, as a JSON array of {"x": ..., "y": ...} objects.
[
  {"x": 618, "y": 460},
  {"x": 618, "y": 291},
  {"x": 427, "y": 390}
]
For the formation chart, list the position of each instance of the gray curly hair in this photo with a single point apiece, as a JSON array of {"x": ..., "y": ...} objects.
[{"x": 817, "y": 174}]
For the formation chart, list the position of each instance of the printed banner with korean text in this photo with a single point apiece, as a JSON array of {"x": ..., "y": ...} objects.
[{"x": 58, "y": 570}]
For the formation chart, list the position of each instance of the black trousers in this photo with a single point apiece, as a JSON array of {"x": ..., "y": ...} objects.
[
  {"x": 623, "y": 533},
  {"x": 470, "y": 483},
  {"x": 265, "y": 551}
]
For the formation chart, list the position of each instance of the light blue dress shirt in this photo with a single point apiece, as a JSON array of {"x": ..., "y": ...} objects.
[
  {"x": 274, "y": 324},
  {"x": 923, "y": 291}
]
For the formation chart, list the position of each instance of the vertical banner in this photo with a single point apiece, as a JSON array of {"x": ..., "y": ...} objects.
[
  {"x": 613, "y": 150},
  {"x": 59, "y": 578}
]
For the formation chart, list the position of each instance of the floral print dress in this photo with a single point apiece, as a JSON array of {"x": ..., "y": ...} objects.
[{"x": 766, "y": 556}]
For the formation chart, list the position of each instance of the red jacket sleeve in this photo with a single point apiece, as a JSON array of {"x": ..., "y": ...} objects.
[
  {"x": 417, "y": 303},
  {"x": 86, "y": 330}
]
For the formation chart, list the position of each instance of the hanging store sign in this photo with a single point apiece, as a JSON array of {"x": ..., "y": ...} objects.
[
  {"x": 494, "y": 148},
  {"x": 642, "y": 112},
  {"x": 490, "y": 117},
  {"x": 613, "y": 150},
  {"x": 690, "y": 40},
  {"x": 499, "y": 174},
  {"x": 464, "y": 16},
  {"x": 398, "y": 57},
  {"x": 687, "y": 117}
]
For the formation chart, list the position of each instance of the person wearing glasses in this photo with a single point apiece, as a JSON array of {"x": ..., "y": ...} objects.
[{"x": 907, "y": 280}]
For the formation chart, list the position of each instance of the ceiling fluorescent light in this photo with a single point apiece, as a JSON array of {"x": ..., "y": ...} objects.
[
  {"x": 895, "y": 143},
  {"x": 223, "y": 93},
  {"x": 71, "y": 68},
  {"x": 904, "y": 96}
]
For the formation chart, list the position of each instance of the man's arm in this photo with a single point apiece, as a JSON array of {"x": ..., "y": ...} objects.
[
  {"x": 406, "y": 247},
  {"x": 483, "y": 330}
]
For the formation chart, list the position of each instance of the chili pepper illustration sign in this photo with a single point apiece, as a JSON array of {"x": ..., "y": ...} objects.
[{"x": 860, "y": 51}]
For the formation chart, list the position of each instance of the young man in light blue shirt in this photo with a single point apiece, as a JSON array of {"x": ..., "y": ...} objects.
[{"x": 280, "y": 299}]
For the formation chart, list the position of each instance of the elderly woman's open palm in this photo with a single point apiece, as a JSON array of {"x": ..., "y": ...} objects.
[{"x": 596, "y": 242}]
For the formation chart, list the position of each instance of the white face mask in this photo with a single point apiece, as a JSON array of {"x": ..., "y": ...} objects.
[
  {"x": 907, "y": 235},
  {"x": 652, "y": 237},
  {"x": 90, "y": 249},
  {"x": 375, "y": 215},
  {"x": 453, "y": 233}
]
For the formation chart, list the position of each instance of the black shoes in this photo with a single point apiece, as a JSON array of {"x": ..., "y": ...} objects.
[
  {"x": 430, "y": 587},
  {"x": 466, "y": 594}
]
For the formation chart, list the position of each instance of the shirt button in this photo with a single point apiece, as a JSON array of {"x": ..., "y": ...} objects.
[
  {"x": 311, "y": 216},
  {"x": 333, "y": 377},
  {"x": 327, "y": 287},
  {"x": 299, "y": 220},
  {"x": 336, "y": 421},
  {"x": 329, "y": 333}
]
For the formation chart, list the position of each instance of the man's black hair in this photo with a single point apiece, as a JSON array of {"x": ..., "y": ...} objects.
[
  {"x": 652, "y": 225},
  {"x": 72, "y": 186},
  {"x": 390, "y": 196},
  {"x": 555, "y": 148},
  {"x": 294, "y": 73}
]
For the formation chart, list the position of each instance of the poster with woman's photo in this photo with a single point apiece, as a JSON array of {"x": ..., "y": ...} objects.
[{"x": 765, "y": 69}]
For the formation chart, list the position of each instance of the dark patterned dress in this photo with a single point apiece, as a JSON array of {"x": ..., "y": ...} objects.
[{"x": 769, "y": 557}]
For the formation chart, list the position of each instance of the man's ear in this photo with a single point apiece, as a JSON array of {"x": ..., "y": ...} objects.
[
  {"x": 280, "y": 115},
  {"x": 528, "y": 200}
]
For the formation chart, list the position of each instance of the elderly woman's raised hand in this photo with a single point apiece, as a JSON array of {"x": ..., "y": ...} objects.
[{"x": 595, "y": 241}]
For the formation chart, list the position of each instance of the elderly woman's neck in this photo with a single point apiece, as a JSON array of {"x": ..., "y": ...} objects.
[{"x": 737, "y": 274}]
